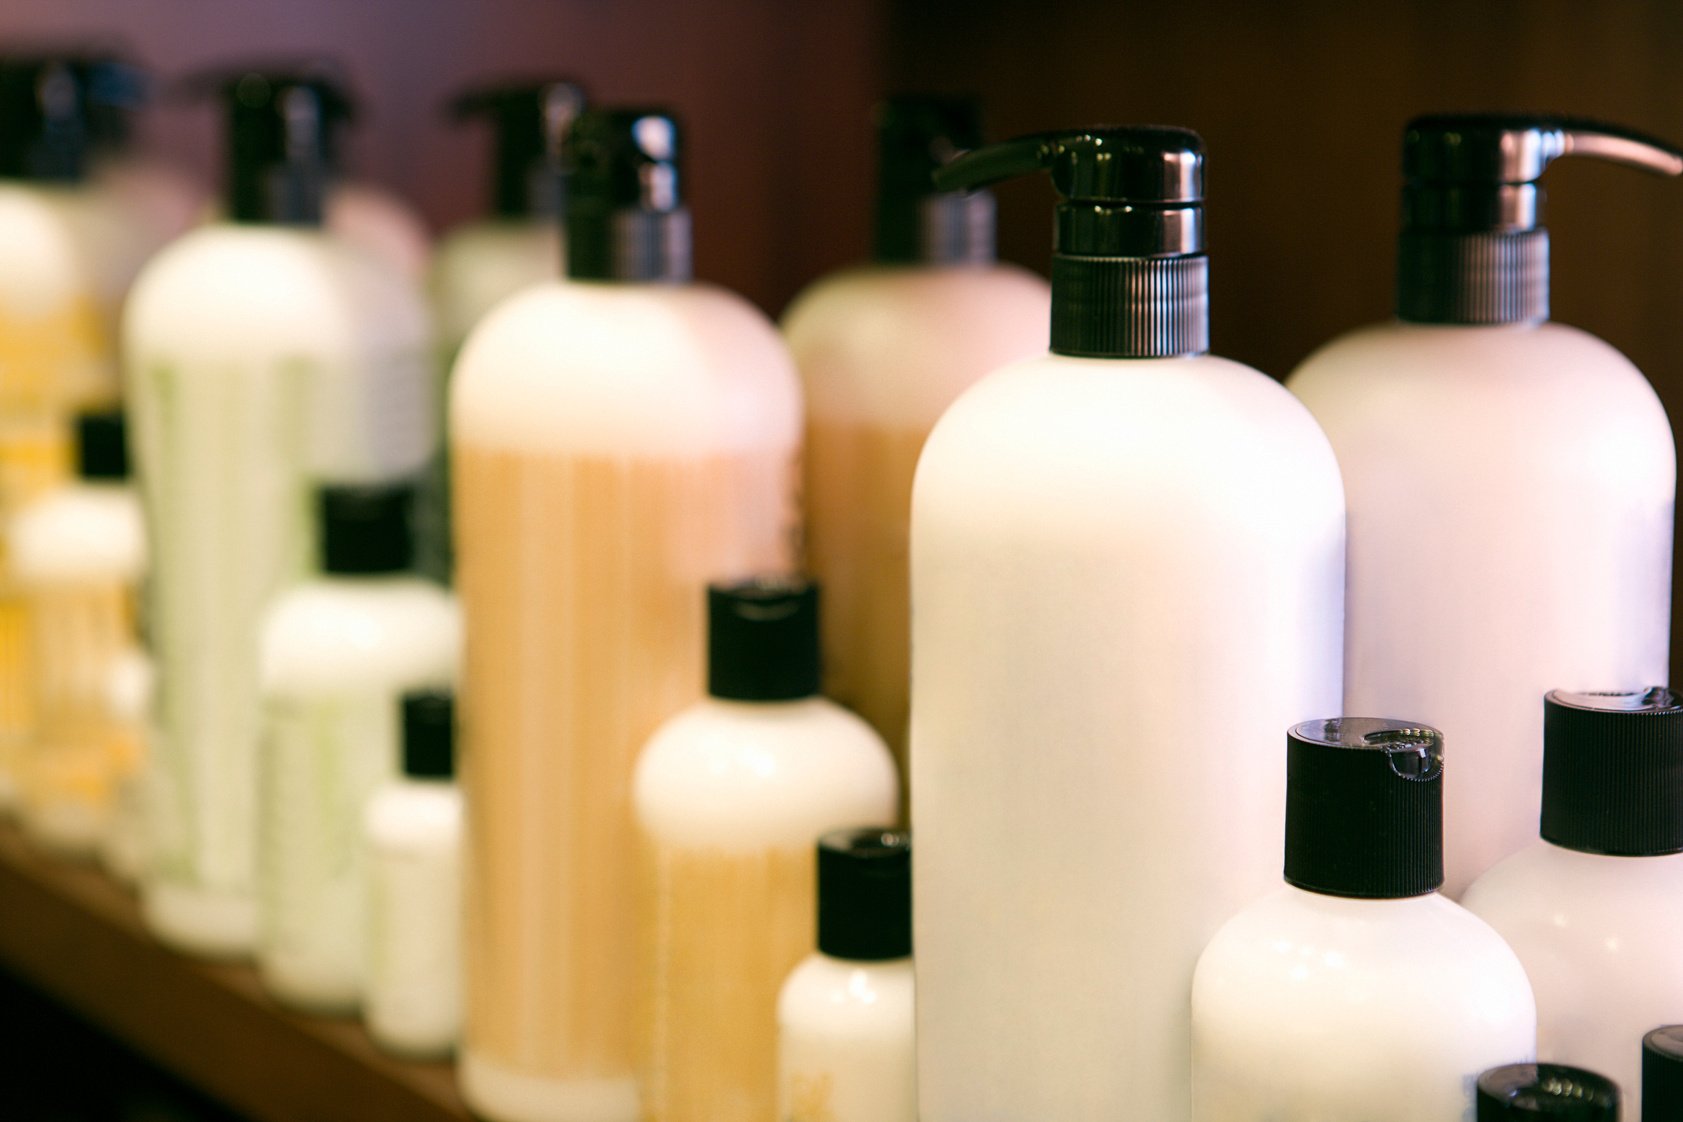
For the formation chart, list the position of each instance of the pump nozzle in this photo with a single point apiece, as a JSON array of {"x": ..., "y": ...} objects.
[
  {"x": 626, "y": 219},
  {"x": 917, "y": 134},
  {"x": 1129, "y": 275},
  {"x": 43, "y": 118},
  {"x": 530, "y": 120},
  {"x": 1473, "y": 247}
]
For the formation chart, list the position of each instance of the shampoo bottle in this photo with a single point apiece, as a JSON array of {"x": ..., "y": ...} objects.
[
  {"x": 261, "y": 354},
  {"x": 846, "y": 1045},
  {"x": 1534, "y": 458},
  {"x": 1546, "y": 1093},
  {"x": 1127, "y": 577},
  {"x": 1594, "y": 908},
  {"x": 883, "y": 350},
  {"x": 1662, "y": 1075},
  {"x": 731, "y": 794},
  {"x": 1356, "y": 991},
  {"x": 618, "y": 441},
  {"x": 338, "y": 653}
]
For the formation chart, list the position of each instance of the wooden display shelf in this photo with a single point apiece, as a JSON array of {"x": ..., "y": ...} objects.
[{"x": 76, "y": 934}]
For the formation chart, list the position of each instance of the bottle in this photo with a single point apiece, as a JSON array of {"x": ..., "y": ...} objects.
[
  {"x": 1518, "y": 1092},
  {"x": 1127, "y": 574},
  {"x": 1592, "y": 909},
  {"x": 261, "y": 354},
  {"x": 730, "y": 795},
  {"x": 1662, "y": 1075},
  {"x": 1534, "y": 458},
  {"x": 338, "y": 653},
  {"x": 1356, "y": 991},
  {"x": 412, "y": 834},
  {"x": 883, "y": 350},
  {"x": 618, "y": 441},
  {"x": 79, "y": 554},
  {"x": 846, "y": 1046}
]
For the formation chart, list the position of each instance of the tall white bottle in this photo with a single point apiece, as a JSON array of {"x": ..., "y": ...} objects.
[
  {"x": 1593, "y": 909},
  {"x": 262, "y": 354},
  {"x": 1534, "y": 460},
  {"x": 1313, "y": 1002},
  {"x": 883, "y": 350},
  {"x": 1548, "y": 1093},
  {"x": 1127, "y": 575},
  {"x": 618, "y": 441}
]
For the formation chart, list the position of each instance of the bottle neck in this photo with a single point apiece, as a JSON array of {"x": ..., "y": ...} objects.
[
  {"x": 524, "y": 189},
  {"x": 286, "y": 194},
  {"x": 1130, "y": 307},
  {"x": 1479, "y": 278},
  {"x": 629, "y": 245},
  {"x": 954, "y": 228}
]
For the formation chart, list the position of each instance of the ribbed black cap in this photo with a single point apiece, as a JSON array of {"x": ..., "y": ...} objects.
[
  {"x": 1662, "y": 1075},
  {"x": 1523, "y": 1092},
  {"x": 917, "y": 133},
  {"x": 102, "y": 446},
  {"x": 44, "y": 130},
  {"x": 529, "y": 119},
  {"x": 429, "y": 734},
  {"x": 865, "y": 894},
  {"x": 762, "y": 640},
  {"x": 1364, "y": 808},
  {"x": 1613, "y": 772},
  {"x": 626, "y": 219},
  {"x": 281, "y": 129},
  {"x": 367, "y": 529}
]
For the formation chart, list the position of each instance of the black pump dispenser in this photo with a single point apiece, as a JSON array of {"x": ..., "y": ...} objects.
[
  {"x": 762, "y": 640},
  {"x": 1613, "y": 772},
  {"x": 281, "y": 127},
  {"x": 626, "y": 219},
  {"x": 1473, "y": 249},
  {"x": 102, "y": 446},
  {"x": 529, "y": 121},
  {"x": 429, "y": 734},
  {"x": 1539, "y": 1092},
  {"x": 1129, "y": 274},
  {"x": 917, "y": 224},
  {"x": 366, "y": 530},
  {"x": 44, "y": 119}
]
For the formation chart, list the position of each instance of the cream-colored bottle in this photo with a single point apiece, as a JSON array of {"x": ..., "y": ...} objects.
[
  {"x": 883, "y": 350},
  {"x": 1533, "y": 460},
  {"x": 262, "y": 354},
  {"x": 618, "y": 441}
]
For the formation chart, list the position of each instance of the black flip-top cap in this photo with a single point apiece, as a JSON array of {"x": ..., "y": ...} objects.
[
  {"x": 102, "y": 446},
  {"x": 529, "y": 119},
  {"x": 1662, "y": 1075},
  {"x": 1524, "y": 1092},
  {"x": 626, "y": 219},
  {"x": 762, "y": 639},
  {"x": 282, "y": 127},
  {"x": 865, "y": 894},
  {"x": 916, "y": 134},
  {"x": 367, "y": 529},
  {"x": 1613, "y": 772},
  {"x": 1364, "y": 808},
  {"x": 44, "y": 118},
  {"x": 429, "y": 734}
]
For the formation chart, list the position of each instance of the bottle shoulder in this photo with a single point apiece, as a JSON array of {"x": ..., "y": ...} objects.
[
  {"x": 329, "y": 635},
  {"x": 1548, "y": 886},
  {"x": 414, "y": 817},
  {"x": 834, "y": 995},
  {"x": 80, "y": 532},
  {"x": 47, "y": 260}
]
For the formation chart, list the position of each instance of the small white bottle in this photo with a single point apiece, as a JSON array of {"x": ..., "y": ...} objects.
[
  {"x": 412, "y": 832},
  {"x": 1548, "y": 1093},
  {"x": 1594, "y": 909},
  {"x": 1357, "y": 991},
  {"x": 1662, "y": 1075},
  {"x": 847, "y": 1019},
  {"x": 730, "y": 796},
  {"x": 337, "y": 655}
]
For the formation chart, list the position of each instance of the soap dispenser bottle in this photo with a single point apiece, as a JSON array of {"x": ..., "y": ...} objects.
[
  {"x": 883, "y": 350},
  {"x": 1532, "y": 460},
  {"x": 262, "y": 355},
  {"x": 1127, "y": 578},
  {"x": 1546, "y": 1093},
  {"x": 618, "y": 441}
]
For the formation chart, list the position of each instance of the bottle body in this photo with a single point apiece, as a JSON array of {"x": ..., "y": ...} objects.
[
  {"x": 883, "y": 352},
  {"x": 260, "y": 359},
  {"x": 846, "y": 1044},
  {"x": 1322, "y": 1008},
  {"x": 1099, "y": 548},
  {"x": 1530, "y": 507},
  {"x": 614, "y": 448}
]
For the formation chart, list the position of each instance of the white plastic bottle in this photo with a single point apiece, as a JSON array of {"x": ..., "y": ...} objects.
[
  {"x": 1127, "y": 575},
  {"x": 1594, "y": 908},
  {"x": 1662, "y": 1074},
  {"x": 883, "y": 350},
  {"x": 261, "y": 354},
  {"x": 79, "y": 554},
  {"x": 846, "y": 1018},
  {"x": 730, "y": 796},
  {"x": 1356, "y": 991},
  {"x": 618, "y": 441},
  {"x": 338, "y": 653},
  {"x": 412, "y": 834},
  {"x": 1548, "y": 1093},
  {"x": 1534, "y": 458}
]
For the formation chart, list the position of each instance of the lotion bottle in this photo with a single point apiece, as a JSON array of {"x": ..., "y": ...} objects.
[
  {"x": 730, "y": 795},
  {"x": 261, "y": 354},
  {"x": 1356, "y": 991},
  {"x": 412, "y": 834},
  {"x": 1534, "y": 458},
  {"x": 1127, "y": 577},
  {"x": 846, "y": 1019},
  {"x": 338, "y": 653},
  {"x": 1662, "y": 1075},
  {"x": 618, "y": 441},
  {"x": 1594, "y": 908},
  {"x": 1546, "y": 1093},
  {"x": 883, "y": 350}
]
